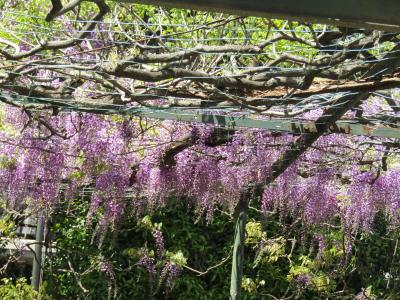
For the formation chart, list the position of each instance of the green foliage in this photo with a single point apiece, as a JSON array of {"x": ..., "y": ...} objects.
[
  {"x": 178, "y": 258},
  {"x": 20, "y": 290},
  {"x": 274, "y": 265},
  {"x": 253, "y": 232},
  {"x": 274, "y": 262},
  {"x": 186, "y": 243},
  {"x": 7, "y": 226},
  {"x": 7, "y": 162},
  {"x": 28, "y": 22},
  {"x": 286, "y": 262}
]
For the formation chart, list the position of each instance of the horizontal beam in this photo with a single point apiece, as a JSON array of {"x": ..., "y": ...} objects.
[
  {"x": 351, "y": 127},
  {"x": 377, "y": 14},
  {"x": 273, "y": 125}
]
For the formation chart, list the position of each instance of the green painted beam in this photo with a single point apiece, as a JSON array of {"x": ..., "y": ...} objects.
[
  {"x": 353, "y": 127},
  {"x": 379, "y": 14},
  {"x": 276, "y": 125}
]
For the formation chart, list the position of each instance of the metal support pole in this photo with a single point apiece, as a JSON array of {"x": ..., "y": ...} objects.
[
  {"x": 238, "y": 249},
  {"x": 37, "y": 259}
]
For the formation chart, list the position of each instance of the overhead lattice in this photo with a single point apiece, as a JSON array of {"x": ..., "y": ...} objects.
[{"x": 231, "y": 71}]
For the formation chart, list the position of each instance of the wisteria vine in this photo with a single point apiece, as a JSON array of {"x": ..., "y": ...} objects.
[{"x": 138, "y": 163}]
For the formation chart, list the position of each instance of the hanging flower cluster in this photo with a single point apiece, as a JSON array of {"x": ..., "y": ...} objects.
[{"x": 141, "y": 163}]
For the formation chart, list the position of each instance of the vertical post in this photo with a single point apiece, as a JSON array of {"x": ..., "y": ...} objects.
[
  {"x": 238, "y": 248},
  {"x": 37, "y": 259}
]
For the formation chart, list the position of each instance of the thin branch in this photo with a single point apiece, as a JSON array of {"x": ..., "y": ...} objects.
[{"x": 202, "y": 273}]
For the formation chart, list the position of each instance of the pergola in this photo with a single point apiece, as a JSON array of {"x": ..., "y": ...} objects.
[{"x": 371, "y": 14}]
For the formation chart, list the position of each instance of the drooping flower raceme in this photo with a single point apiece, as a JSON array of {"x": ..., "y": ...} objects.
[{"x": 140, "y": 163}]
